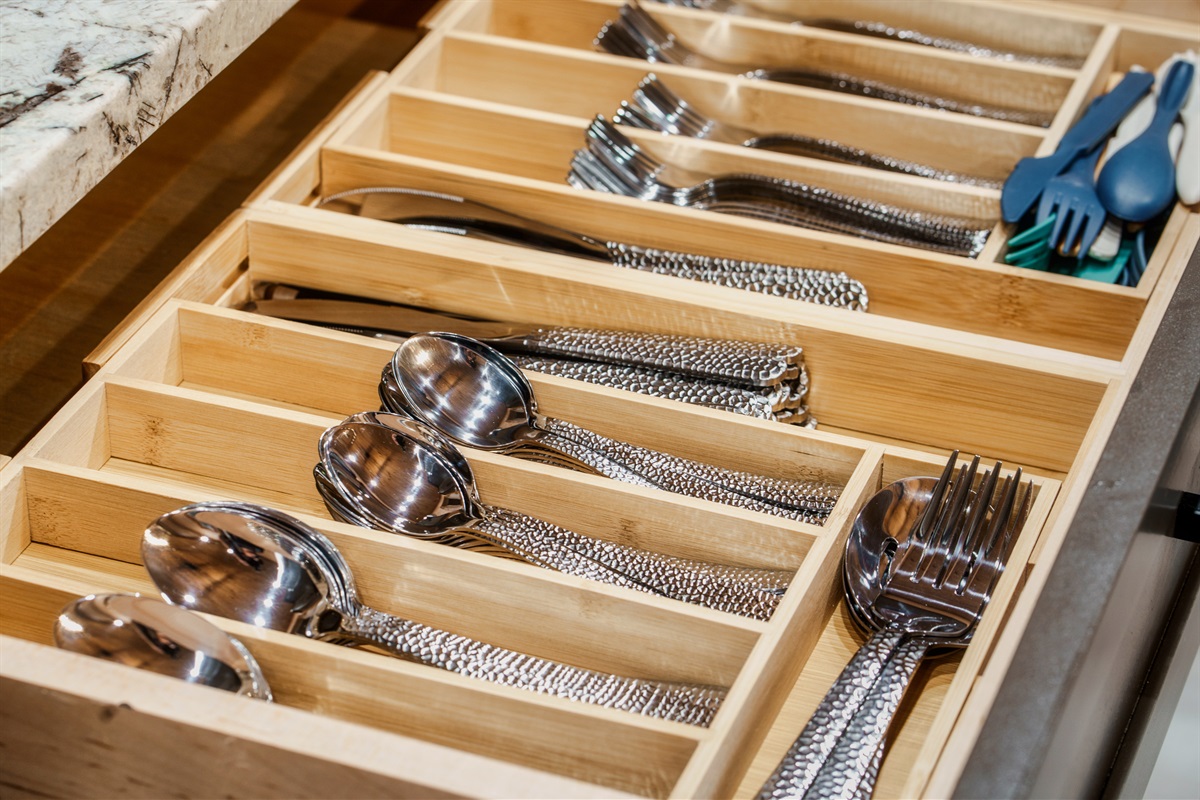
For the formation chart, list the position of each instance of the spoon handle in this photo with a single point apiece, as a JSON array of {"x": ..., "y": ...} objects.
[
  {"x": 813, "y": 748},
  {"x": 757, "y": 403},
  {"x": 739, "y": 590},
  {"x": 694, "y": 704},
  {"x": 806, "y": 501},
  {"x": 853, "y": 766}
]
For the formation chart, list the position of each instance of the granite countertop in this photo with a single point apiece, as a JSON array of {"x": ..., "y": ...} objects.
[{"x": 83, "y": 82}]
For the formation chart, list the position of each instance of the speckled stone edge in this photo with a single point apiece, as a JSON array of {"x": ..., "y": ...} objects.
[{"x": 59, "y": 149}]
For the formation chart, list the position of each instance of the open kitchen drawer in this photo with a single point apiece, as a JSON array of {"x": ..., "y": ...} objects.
[{"x": 193, "y": 399}]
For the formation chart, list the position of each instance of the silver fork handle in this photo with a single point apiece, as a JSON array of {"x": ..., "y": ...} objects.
[
  {"x": 815, "y": 206},
  {"x": 825, "y": 149},
  {"x": 747, "y": 363},
  {"x": 694, "y": 704},
  {"x": 798, "y": 770},
  {"x": 808, "y": 501},
  {"x": 852, "y": 768},
  {"x": 746, "y": 591},
  {"x": 820, "y": 286},
  {"x": 895, "y": 94}
]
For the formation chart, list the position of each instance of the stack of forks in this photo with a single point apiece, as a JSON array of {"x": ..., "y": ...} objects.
[{"x": 612, "y": 163}]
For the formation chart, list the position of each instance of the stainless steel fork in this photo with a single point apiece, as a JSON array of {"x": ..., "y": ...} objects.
[
  {"x": 636, "y": 34},
  {"x": 612, "y": 163},
  {"x": 653, "y": 106},
  {"x": 935, "y": 590}
]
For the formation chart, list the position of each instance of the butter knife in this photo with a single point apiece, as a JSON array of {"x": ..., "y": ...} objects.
[
  {"x": 447, "y": 213},
  {"x": 743, "y": 363}
]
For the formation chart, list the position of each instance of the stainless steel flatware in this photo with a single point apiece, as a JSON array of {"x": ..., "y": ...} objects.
[
  {"x": 398, "y": 483},
  {"x": 921, "y": 562},
  {"x": 636, "y": 34},
  {"x": 738, "y": 362},
  {"x": 442, "y": 212},
  {"x": 653, "y": 106},
  {"x": 612, "y": 163},
  {"x": 265, "y": 568},
  {"x": 477, "y": 397},
  {"x": 784, "y": 402},
  {"x": 146, "y": 633}
]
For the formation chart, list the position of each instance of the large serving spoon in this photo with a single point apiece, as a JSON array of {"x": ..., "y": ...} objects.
[
  {"x": 400, "y": 485},
  {"x": 1138, "y": 183},
  {"x": 478, "y": 397},
  {"x": 265, "y": 568},
  {"x": 146, "y": 633}
]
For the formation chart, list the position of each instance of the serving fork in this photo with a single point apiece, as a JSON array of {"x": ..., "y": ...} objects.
[
  {"x": 654, "y": 107},
  {"x": 636, "y": 34},
  {"x": 612, "y": 163},
  {"x": 933, "y": 592}
]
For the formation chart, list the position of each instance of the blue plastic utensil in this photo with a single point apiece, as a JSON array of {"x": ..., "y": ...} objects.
[
  {"x": 1071, "y": 199},
  {"x": 1028, "y": 179},
  {"x": 1138, "y": 183},
  {"x": 1136, "y": 265}
]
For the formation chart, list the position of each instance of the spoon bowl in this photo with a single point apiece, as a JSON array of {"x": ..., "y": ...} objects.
[
  {"x": 465, "y": 389},
  {"x": 1138, "y": 183},
  {"x": 147, "y": 633},
  {"x": 246, "y": 565},
  {"x": 396, "y": 480}
]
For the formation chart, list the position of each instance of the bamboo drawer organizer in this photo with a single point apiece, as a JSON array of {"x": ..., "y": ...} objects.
[{"x": 192, "y": 399}]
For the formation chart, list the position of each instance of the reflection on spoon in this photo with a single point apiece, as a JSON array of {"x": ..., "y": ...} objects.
[
  {"x": 266, "y": 568},
  {"x": 147, "y": 633}
]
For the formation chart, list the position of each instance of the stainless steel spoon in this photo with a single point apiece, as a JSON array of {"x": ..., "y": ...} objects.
[
  {"x": 146, "y": 633},
  {"x": 260, "y": 566},
  {"x": 401, "y": 486},
  {"x": 477, "y": 396}
]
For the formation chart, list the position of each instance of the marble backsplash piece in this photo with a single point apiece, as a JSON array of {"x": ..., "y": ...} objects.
[{"x": 84, "y": 82}]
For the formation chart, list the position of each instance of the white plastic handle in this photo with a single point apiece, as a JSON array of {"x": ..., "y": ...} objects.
[{"x": 1187, "y": 163}]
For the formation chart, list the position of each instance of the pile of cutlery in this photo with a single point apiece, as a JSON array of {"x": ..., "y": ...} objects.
[{"x": 761, "y": 380}]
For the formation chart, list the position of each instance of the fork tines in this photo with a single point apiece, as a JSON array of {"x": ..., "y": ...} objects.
[{"x": 966, "y": 534}]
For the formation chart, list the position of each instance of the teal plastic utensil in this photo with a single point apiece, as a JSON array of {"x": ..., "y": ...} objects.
[
  {"x": 1029, "y": 177},
  {"x": 1031, "y": 247},
  {"x": 1138, "y": 183},
  {"x": 1106, "y": 271}
]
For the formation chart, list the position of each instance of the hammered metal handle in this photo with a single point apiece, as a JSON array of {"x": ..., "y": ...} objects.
[
  {"x": 806, "y": 501},
  {"x": 546, "y": 545},
  {"x": 824, "y": 287},
  {"x": 756, "y": 403},
  {"x": 745, "y": 591},
  {"x": 694, "y": 704},
  {"x": 791, "y": 202},
  {"x": 746, "y": 363},
  {"x": 882, "y": 91},
  {"x": 851, "y": 770},
  {"x": 798, "y": 771}
]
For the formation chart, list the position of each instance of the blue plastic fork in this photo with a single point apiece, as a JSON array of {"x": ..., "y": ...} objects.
[{"x": 1078, "y": 213}]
